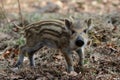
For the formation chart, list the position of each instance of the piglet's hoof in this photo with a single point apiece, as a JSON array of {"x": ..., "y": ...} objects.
[{"x": 73, "y": 73}]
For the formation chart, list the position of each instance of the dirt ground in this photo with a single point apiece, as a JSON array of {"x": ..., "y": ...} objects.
[{"x": 102, "y": 55}]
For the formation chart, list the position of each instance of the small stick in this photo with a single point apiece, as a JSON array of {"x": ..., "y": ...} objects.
[{"x": 20, "y": 13}]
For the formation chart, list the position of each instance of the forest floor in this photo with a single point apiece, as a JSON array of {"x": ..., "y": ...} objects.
[{"x": 102, "y": 55}]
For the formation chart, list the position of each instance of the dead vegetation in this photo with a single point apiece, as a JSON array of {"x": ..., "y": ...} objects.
[{"x": 102, "y": 61}]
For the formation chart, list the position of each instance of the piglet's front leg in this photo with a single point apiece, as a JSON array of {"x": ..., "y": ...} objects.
[
  {"x": 68, "y": 57},
  {"x": 80, "y": 53}
]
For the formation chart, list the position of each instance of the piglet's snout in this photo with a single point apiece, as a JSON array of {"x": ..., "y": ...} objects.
[{"x": 79, "y": 42}]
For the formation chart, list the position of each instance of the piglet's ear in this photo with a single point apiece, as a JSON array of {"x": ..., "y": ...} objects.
[
  {"x": 68, "y": 23},
  {"x": 89, "y": 24}
]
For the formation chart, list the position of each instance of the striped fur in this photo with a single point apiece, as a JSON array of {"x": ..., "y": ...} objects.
[{"x": 52, "y": 30}]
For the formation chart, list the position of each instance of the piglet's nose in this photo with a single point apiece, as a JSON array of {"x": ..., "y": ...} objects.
[{"x": 79, "y": 42}]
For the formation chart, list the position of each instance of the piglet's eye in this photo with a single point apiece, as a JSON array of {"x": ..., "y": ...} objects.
[
  {"x": 85, "y": 30},
  {"x": 73, "y": 31}
]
